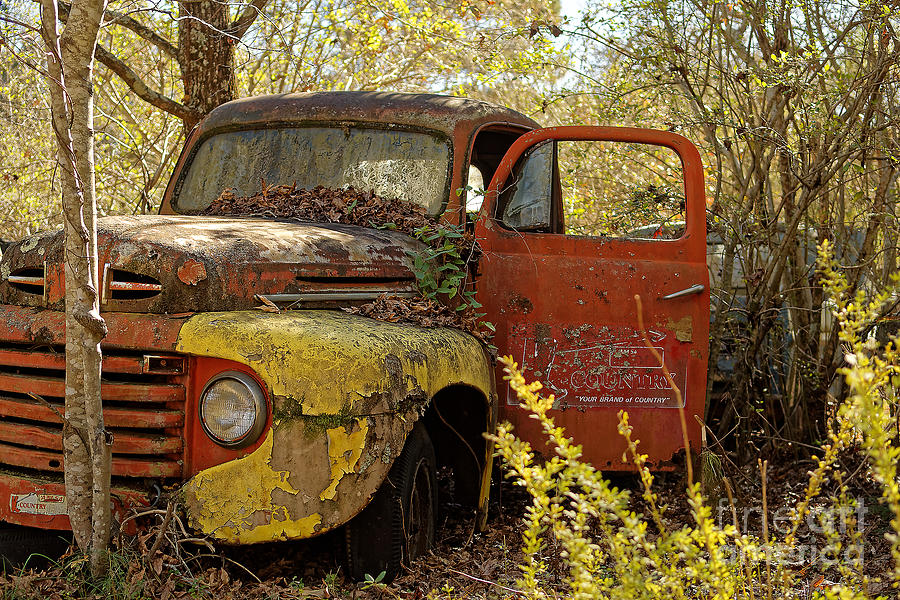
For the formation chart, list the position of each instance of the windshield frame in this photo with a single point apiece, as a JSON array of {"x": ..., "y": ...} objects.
[{"x": 187, "y": 161}]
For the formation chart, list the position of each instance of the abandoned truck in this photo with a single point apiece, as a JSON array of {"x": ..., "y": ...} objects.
[{"x": 278, "y": 425}]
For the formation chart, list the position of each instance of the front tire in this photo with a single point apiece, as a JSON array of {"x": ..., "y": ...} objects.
[{"x": 398, "y": 524}]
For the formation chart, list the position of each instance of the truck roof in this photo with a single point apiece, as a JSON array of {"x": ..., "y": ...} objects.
[{"x": 432, "y": 111}]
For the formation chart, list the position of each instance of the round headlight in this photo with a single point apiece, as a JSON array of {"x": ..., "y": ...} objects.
[{"x": 233, "y": 409}]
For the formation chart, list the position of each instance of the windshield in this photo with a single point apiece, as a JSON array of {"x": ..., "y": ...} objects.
[{"x": 409, "y": 165}]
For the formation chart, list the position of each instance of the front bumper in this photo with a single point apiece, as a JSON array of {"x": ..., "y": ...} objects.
[{"x": 41, "y": 503}]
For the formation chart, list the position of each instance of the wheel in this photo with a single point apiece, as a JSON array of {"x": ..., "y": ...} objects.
[{"x": 398, "y": 524}]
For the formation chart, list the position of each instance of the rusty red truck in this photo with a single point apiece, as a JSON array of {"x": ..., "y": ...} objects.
[{"x": 276, "y": 425}]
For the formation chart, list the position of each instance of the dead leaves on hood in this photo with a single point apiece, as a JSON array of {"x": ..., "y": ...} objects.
[
  {"x": 366, "y": 209},
  {"x": 323, "y": 205},
  {"x": 421, "y": 312},
  {"x": 267, "y": 305}
]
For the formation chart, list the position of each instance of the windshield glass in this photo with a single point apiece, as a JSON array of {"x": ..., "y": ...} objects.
[{"x": 409, "y": 165}]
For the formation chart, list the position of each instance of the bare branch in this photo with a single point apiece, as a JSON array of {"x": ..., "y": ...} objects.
[
  {"x": 142, "y": 31},
  {"x": 143, "y": 91},
  {"x": 133, "y": 25},
  {"x": 240, "y": 25}
]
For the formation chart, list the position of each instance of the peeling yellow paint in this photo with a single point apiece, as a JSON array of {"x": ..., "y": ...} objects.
[
  {"x": 279, "y": 529},
  {"x": 232, "y": 497},
  {"x": 347, "y": 388},
  {"x": 332, "y": 362},
  {"x": 344, "y": 450}
]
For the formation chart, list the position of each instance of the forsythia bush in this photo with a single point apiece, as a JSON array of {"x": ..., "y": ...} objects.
[{"x": 610, "y": 551}]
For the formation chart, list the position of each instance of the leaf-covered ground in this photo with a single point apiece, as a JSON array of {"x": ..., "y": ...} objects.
[{"x": 464, "y": 563}]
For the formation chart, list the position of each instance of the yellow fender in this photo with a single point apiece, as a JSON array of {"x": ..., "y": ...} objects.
[{"x": 346, "y": 390}]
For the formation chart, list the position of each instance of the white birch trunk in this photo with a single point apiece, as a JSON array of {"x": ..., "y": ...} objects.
[{"x": 86, "y": 444}]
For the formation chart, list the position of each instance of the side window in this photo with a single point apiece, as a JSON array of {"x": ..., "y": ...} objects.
[
  {"x": 488, "y": 148},
  {"x": 474, "y": 190},
  {"x": 527, "y": 201},
  {"x": 604, "y": 189},
  {"x": 621, "y": 190}
]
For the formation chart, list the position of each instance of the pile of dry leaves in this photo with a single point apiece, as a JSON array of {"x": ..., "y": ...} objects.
[
  {"x": 323, "y": 205},
  {"x": 326, "y": 205},
  {"x": 422, "y": 312}
]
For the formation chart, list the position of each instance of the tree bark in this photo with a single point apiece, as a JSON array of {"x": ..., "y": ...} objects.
[
  {"x": 206, "y": 56},
  {"x": 207, "y": 37},
  {"x": 86, "y": 444}
]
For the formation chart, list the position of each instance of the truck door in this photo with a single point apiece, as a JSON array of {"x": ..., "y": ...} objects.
[{"x": 561, "y": 295}]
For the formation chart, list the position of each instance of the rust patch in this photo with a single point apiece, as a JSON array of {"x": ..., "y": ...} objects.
[
  {"x": 192, "y": 272},
  {"x": 520, "y": 303},
  {"x": 541, "y": 333},
  {"x": 240, "y": 257},
  {"x": 683, "y": 328}
]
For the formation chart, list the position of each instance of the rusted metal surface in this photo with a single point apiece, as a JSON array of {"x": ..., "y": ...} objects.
[
  {"x": 41, "y": 460},
  {"x": 430, "y": 111},
  {"x": 49, "y": 413},
  {"x": 215, "y": 263},
  {"x": 33, "y": 326},
  {"x": 192, "y": 272},
  {"x": 564, "y": 308},
  {"x": 345, "y": 389},
  {"x": 123, "y": 443},
  {"x": 25, "y": 358},
  {"x": 143, "y": 411},
  {"x": 123, "y": 392},
  {"x": 122, "y": 286}
]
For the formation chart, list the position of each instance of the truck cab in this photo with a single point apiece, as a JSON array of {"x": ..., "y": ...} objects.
[{"x": 277, "y": 425}]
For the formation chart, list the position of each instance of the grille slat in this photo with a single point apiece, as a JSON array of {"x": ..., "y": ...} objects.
[
  {"x": 123, "y": 285},
  {"x": 124, "y": 441},
  {"x": 143, "y": 408},
  {"x": 123, "y": 392},
  {"x": 57, "y": 362},
  {"x": 30, "y": 280},
  {"x": 113, "y": 417},
  {"x": 30, "y": 458}
]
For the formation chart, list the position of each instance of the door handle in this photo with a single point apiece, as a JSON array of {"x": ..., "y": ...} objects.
[{"x": 694, "y": 289}]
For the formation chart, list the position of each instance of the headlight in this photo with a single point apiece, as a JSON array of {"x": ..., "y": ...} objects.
[{"x": 233, "y": 409}]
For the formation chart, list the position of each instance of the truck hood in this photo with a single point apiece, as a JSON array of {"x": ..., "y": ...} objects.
[{"x": 175, "y": 264}]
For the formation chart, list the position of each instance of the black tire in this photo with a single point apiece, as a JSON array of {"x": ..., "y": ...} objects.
[
  {"x": 398, "y": 524},
  {"x": 27, "y": 546}
]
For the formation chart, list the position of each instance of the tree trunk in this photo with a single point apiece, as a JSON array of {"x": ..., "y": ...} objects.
[
  {"x": 86, "y": 444},
  {"x": 205, "y": 55}
]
